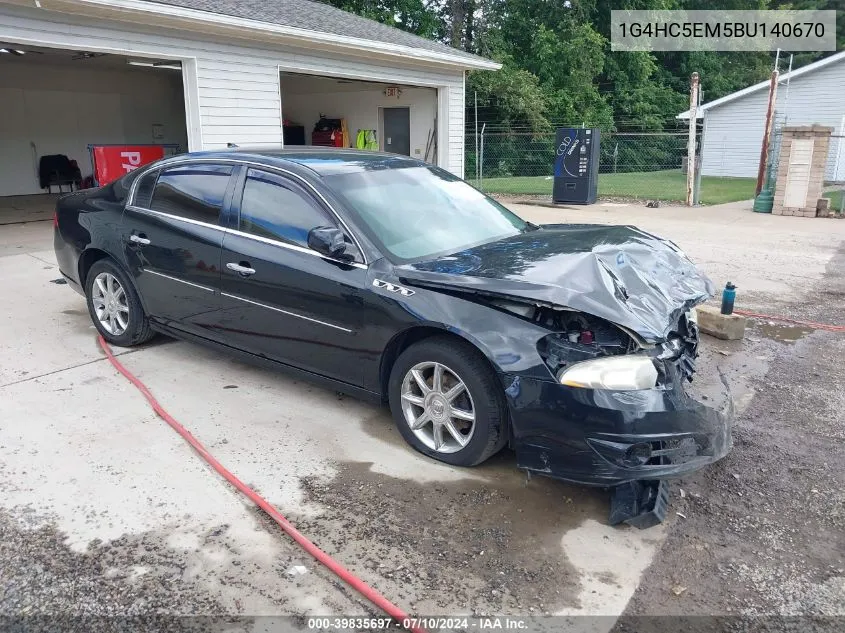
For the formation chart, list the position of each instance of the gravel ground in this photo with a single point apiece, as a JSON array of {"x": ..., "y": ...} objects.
[
  {"x": 46, "y": 586},
  {"x": 763, "y": 532},
  {"x": 138, "y": 583}
]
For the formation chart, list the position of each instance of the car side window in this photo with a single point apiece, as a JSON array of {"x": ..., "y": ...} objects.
[
  {"x": 193, "y": 192},
  {"x": 272, "y": 207}
]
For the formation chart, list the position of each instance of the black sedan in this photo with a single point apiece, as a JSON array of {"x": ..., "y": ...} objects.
[{"x": 391, "y": 279}]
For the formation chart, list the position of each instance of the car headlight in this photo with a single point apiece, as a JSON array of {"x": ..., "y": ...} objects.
[{"x": 620, "y": 373}]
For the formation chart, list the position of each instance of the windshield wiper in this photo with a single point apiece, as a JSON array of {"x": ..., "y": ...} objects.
[{"x": 530, "y": 226}]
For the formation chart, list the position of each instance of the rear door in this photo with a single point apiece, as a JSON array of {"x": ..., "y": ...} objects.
[
  {"x": 397, "y": 130},
  {"x": 172, "y": 240},
  {"x": 281, "y": 299}
]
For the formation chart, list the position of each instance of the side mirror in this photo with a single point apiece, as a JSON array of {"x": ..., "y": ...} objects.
[{"x": 329, "y": 241}]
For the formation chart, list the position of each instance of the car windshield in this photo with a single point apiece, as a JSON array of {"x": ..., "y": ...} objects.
[{"x": 418, "y": 212}]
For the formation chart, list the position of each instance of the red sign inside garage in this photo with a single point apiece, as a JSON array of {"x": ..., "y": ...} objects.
[{"x": 113, "y": 161}]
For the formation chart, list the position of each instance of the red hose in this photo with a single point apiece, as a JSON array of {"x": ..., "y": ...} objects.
[
  {"x": 810, "y": 324},
  {"x": 339, "y": 570}
]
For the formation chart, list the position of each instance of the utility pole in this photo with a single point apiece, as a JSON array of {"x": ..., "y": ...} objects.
[
  {"x": 696, "y": 199},
  {"x": 693, "y": 122},
  {"x": 767, "y": 132}
]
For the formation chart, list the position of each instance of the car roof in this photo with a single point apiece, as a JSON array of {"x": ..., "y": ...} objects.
[{"x": 321, "y": 160}]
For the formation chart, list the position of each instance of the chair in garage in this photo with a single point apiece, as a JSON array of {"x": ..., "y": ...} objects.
[{"x": 57, "y": 170}]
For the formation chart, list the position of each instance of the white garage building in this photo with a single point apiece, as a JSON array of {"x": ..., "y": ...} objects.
[
  {"x": 733, "y": 125},
  {"x": 199, "y": 74}
]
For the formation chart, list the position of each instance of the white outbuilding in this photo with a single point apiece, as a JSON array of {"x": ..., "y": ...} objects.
[
  {"x": 201, "y": 74},
  {"x": 733, "y": 125}
]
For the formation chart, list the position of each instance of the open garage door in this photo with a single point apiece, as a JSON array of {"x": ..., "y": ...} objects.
[
  {"x": 387, "y": 117},
  {"x": 58, "y": 102}
]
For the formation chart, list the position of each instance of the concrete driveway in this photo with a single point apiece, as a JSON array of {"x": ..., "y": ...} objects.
[{"x": 103, "y": 509}]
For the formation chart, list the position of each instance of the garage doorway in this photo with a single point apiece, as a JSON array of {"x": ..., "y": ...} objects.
[
  {"x": 396, "y": 130},
  {"x": 314, "y": 106},
  {"x": 57, "y": 102}
]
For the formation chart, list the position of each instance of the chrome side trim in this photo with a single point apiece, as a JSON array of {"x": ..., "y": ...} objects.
[
  {"x": 293, "y": 314},
  {"x": 181, "y": 281},
  {"x": 169, "y": 216},
  {"x": 257, "y": 238},
  {"x": 240, "y": 161},
  {"x": 293, "y": 247}
]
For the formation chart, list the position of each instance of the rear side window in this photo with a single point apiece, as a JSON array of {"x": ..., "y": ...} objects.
[
  {"x": 193, "y": 192},
  {"x": 274, "y": 208},
  {"x": 144, "y": 189}
]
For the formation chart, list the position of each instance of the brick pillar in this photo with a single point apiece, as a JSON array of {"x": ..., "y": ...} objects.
[{"x": 820, "y": 137}]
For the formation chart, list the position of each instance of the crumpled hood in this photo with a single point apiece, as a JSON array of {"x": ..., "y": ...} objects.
[{"x": 618, "y": 273}]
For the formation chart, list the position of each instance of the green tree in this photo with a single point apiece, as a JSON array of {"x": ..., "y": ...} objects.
[
  {"x": 414, "y": 16},
  {"x": 558, "y": 67}
]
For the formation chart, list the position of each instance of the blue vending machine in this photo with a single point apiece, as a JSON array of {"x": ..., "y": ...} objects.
[{"x": 576, "y": 165}]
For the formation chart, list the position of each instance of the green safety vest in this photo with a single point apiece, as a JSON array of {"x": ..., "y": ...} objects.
[{"x": 366, "y": 139}]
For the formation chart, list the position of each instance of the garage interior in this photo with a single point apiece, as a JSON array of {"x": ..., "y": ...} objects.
[
  {"x": 57, "y": 102},
  {"x": 60, "y": 101},
  {"x": 393, "y": 118}
]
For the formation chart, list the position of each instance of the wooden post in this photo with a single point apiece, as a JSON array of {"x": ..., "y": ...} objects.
[
  {"x": 767, "y": 133},
  {"x": 693, "y": 122}
]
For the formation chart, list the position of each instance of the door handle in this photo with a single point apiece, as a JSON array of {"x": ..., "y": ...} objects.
[
  {"x": 139, "y": 239},
  {"x": 242, "y": 269}
]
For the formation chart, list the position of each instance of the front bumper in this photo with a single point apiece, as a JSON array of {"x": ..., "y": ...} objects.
[{"x": 605, "y": 438}]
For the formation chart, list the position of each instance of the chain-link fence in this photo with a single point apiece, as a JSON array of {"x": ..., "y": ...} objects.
[
  {"x": 835, "y": 188},
  {"x": 632, "y": 165}
]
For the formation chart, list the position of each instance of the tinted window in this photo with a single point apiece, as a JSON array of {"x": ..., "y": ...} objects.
[
  {"x": 144, "y": 189},
  {"x": 194, "y": 192},
  {"x": 273, "y": 208}
]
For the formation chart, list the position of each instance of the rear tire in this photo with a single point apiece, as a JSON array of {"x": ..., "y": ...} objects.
[
  {"x": 114, "y": 305},
  {"x": 447, "y": 402}
]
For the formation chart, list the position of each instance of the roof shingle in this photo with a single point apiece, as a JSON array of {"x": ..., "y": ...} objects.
[{"x": 319, "y": 17}]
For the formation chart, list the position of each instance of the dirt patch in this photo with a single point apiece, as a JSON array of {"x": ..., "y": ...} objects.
[{"x": 489, "y": 546}]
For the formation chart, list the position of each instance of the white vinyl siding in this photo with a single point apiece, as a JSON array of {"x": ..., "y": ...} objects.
[
  {"x": 734, "y": 131},
  {"x": 232, "y": 88}
]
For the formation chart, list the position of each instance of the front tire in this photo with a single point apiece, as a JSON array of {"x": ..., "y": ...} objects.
[
  {"x": 114, "y": 305},
  {"x": 447, "y": 403}
]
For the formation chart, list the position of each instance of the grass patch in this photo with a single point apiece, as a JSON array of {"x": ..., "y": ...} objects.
[
  {"x": 835, "y": 198},
  {"x": 669, "y": 185}
]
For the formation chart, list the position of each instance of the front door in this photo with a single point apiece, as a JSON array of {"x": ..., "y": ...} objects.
[
  {"x": 279, "y": 298},
  {"x": 397, "y": 130},
  {"x": 172, "y": 241}
]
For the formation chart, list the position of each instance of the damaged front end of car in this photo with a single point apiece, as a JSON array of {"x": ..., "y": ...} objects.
[
  {"x": 635, "y": 417},
  {"x": 631, "y": 422},
  {"x": 607, "y": 399}
]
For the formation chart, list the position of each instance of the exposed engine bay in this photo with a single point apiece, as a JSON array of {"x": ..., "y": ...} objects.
[{"x": 578, "y": 337}]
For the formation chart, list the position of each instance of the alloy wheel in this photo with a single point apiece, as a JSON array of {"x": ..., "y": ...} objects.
[
  {"x": 110, "y": 303},
  {"x": 438, "y": 407}
]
